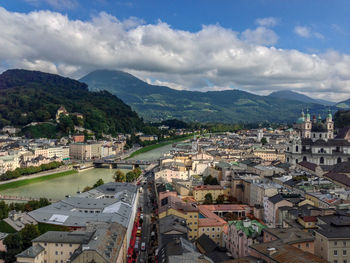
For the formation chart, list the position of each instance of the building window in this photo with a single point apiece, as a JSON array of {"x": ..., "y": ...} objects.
[
  {"x": 345, "y": 261},
  {"x": 304, "y": 159},
  {"x": 297, "y": 148},
  {"x": 56, "y": 245},
  {"x": 322, "y": 160},
  {"x": 307, "y": 245},
  {"x": 335, "y": 252},
  {"x": 335, "y": 261},
  {"x": 344, "y": 252},
  {"x": 56, "y": 252},
  {"x": 344, "y": 243},
  {"x": 70, "y": 245},
  {"x": 339, "y": 160},
  {"x": 335, "y": 243}
]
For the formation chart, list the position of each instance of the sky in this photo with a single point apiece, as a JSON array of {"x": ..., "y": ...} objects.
[{"x": 259, "y": 46}]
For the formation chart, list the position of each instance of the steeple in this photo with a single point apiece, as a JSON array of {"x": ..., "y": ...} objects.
[{"x": 307, "y": 115}]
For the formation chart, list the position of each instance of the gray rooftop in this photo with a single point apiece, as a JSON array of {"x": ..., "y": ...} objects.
[
  {"x": 31, "y": 252},
  {"x": 76, "y": 237},
  {"x": 108, "y": 203}
]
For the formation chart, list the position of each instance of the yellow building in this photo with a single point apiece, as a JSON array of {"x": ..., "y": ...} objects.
[
  {"x": 199, "y": 192},
  {"x": 59, "y": 246},
  {"x": 172, "y": 205},
  {"x": 270, "y": 155}
]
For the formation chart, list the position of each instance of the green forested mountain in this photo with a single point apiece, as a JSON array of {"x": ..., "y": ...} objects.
[
  {"x": 32, "y": 96},
  {"x": 157, "y": 103},
  {"x": 292, "y": 95},
  {"x": 344, "y": 104}
]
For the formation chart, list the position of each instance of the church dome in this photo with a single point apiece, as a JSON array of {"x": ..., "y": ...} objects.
[{"x": 301, "y": 120}]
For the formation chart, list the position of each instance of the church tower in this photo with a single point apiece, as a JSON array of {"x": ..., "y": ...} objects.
[
  {"x": 330, "y": 125},
  {"x": 306, "y": 130}
]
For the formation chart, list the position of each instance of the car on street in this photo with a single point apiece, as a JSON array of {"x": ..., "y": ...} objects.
[
  {"x": 141, "y": 216},
  {"x": 143, "y": 246}
]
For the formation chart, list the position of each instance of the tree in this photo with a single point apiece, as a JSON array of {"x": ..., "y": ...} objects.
[
  {"x": 4, "y": 210},
  {"x": 98, "y": 183},
  {"x": 13, "y": 243},
  {"x": 130, "y": 176},
  {"x": 28, "y": 233},
  {"x": 119, "y": 176},
  {"x": 220, "y": 199},
  {"x": 86, "y": 188},
  {"x": 208, "y": 198},
  {"x": 210, "y": 180},
  {"x": 263, "y": 140},
  {"x": 137, "y": 171},
  {"x": 231, "y": 199}
]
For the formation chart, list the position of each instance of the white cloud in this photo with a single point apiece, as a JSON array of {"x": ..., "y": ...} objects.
[
  {"x": 211, "y": 58},
  {"x": 58, "y": 4},
  {"x": 266, "y": 21},
  {"x": 306, "y": 32},
  {"x": 302, "y": 31},
  {"x": 260, "y": 36}
]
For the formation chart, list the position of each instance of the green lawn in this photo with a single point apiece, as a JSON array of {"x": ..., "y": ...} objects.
[
  {"x": 35, "y": 180},
  {"x": 6, "y": 228},
  {"x": 158, "y": 145}
]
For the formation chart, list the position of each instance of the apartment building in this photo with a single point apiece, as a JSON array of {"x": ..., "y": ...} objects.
[
  {"x": 199, "y": 192},
  {"x": 8, "y": 163},
  {"x": 105, "y": 244},
  {"x": 241, "y": 234},
  {"x": 293, "y": 236},
  {"x": 84, "y": 151},
  {"x": 332, "y": 238}
]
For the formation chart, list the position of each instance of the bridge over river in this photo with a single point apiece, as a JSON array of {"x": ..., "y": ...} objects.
[{"x": 120, "y": 163}]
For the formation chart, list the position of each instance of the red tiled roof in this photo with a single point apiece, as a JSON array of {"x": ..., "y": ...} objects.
[
  {"x": 309, "y": 219},
  {"x": 308, "y": 165},
  {"x": 337, "y": 177}
]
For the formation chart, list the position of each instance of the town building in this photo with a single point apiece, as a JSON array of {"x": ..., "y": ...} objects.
[
  {"x": 279, "y": 252},
  {"x": 105, "y": 244},
  {"x": 242, "y": 234},
  {"x": 292, "y": 236},
  {"x": 108, "y": 203},
  {"x": 332, "y": 238},
  {"x": 315, "y": 142},
  {"x": 199, "y": 192}
]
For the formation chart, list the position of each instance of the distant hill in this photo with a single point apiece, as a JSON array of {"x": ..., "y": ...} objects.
[
  {"x": 344, "y": 104},
  {"x": 157, "y": 103},
  {"x": 33, "y": 96},
  {"x": 292, "y": 95}
]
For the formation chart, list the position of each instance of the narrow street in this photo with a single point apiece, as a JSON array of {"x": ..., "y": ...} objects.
[{"x": 146, "y": 203}]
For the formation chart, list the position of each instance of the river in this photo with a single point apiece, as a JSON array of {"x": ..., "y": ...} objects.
[{"x": 58, "y": 188}]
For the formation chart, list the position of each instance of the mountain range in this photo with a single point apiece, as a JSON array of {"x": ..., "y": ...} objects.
[
  {"x": 292, "y": 95},
  {"x": 156, "y": 103}
]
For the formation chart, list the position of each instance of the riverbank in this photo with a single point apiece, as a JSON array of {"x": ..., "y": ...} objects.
[
  {"x": 22, "y": 182},
  {"x": 158, "y": 145}
]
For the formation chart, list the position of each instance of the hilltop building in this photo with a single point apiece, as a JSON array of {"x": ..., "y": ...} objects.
[{"x": 316, "y": 143}]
